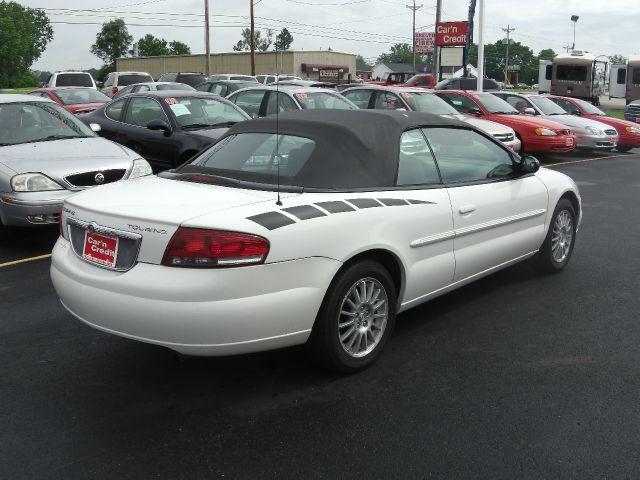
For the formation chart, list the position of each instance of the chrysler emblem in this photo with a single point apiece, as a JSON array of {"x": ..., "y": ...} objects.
[{"x": 99, "y": 178}]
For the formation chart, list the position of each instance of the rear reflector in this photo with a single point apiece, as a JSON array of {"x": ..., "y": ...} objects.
[{"x": 201, "y": 248}]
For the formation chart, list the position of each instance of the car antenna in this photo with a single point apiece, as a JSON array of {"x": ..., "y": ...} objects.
[{"x": 278, "y": 202}]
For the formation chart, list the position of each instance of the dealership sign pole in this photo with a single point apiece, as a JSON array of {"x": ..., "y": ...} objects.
[{"x": 480, "y": 45}]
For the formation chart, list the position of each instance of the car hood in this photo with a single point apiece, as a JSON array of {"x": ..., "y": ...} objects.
[
  {"x": 575, "y": 121},
  {"x": 615, "y": 122},
  {"x": 57, "y": 158},
  {"x": 159, "y": 200},
  {"x": 492, "y": 128}
]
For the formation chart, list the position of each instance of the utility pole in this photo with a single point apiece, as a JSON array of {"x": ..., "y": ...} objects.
[
  {"x": 206, "y": 38},
  {"x": 508, "y": 30},
  {"x": 414, "y": 8},
  {"x": 436, "y": 49},
  {"x": 252, "y": 41}
]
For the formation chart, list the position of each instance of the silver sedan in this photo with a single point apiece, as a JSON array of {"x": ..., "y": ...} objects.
[{"x": 46, "y": 154}]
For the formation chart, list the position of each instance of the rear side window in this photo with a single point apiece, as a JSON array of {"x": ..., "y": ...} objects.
[
  {"x": 547, "y": 72},
  {"x": 74, "y": 80},
  {"x": 203, "y": 87},
  {"x": 284, "y": 103},
  {"x": 416, "y": 165},
  {"x": 387, "y": 101},
  {"x": 124, "y": 80},
  {"x": 249, "y": 101},
  {"x": 219, "y": 89},
  {"x": 359, "y": 97},
  {"x": 114, "y": 111},
  {"x": 466, "y": 156},
  {"x": 142, "y": 110},
  {"x": 622, "y": 76}
]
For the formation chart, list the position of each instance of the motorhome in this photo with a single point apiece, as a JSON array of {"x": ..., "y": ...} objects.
[
  {"x": 544, "y": 76},
  {"x": 579, "y": 74},
  {"x": 624, "y": 80}
]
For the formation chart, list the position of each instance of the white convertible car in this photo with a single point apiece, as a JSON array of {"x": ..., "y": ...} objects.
[{"x": 314, "y": 226}]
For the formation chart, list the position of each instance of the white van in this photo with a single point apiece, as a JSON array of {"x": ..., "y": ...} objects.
[
  {"x": 544, "y": 76},
  {"x": 70, "y": 79}
]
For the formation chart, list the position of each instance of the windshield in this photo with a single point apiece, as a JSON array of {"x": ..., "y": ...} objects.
[
  {"x": 76, "y": 96},
  {"x": 589, "y": 108},
  {"x": 74, "y": 80},
  {"x": 428, "y": 102},
  {"x": 495, "y": 105},
  {"x": 204, "y": 112},
  {"x": 174, "y": 86},
  {"x": 124, "y": 80},
  {"x": 257, "y": 157},
  {"x": 246, "y": 78},
  {"x": 36, "y": 122},
  {"x": 546, "y": 106},
  {"x": 311, "y": 100}
]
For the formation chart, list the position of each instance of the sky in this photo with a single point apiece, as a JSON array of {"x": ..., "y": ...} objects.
[{"x": 365, "y": 27}]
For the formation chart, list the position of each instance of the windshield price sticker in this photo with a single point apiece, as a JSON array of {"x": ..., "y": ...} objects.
[
  {"x": 406, "y": 94},
  {"x": 170, "y": 101},
  {"x": 100, "y": 249},
  {"x": 303, "y": 97},
  {"x": 179, "y": 109}
]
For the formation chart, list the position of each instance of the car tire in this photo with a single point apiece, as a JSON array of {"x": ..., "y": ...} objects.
[
  {"x": 560, "y": 240},
  {"x": 623, "y": 149},
  {"x": 356, "y": 318}
]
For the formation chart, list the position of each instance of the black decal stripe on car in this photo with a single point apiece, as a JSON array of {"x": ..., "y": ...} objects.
[
  {"x": 272, "y": 220},
  {"x": 364, "y": 202},
  {"x": 417, "y": 202},
  {"x": 391, "y": 202},
  {"x": 336, "y": 207},
  {"x": 305, "y": 212}
]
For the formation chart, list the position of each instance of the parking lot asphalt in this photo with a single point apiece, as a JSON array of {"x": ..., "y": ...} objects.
[{"x": 519, "y": 375}]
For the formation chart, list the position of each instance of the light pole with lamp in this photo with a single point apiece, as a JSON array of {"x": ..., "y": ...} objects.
[{"x": 574, "y": 19}]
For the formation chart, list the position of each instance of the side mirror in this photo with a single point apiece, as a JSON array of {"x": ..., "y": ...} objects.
[
  {"x": 158, "y": 124},
  {"x": 529, "y": 111},
  {"x": 529, "y": 164},
  {"x": 95, "y": 127},
  {"x": 254, "y": 116},
  {"x": 475, "y": 111}
]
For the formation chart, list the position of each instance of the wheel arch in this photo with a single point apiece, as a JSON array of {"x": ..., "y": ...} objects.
[
  {"x": 573, "y": 198},
  {"x": 388, "y": 260}
]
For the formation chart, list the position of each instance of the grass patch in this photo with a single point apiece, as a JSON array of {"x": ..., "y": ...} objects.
[
  {"x": 614, "y": 113},
  {"x": 18, "y": 90}
]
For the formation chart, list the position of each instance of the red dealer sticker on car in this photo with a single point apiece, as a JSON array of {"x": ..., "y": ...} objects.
[
  {"x": 100, "y": 249},
  {"x": 170, "y": 101}
]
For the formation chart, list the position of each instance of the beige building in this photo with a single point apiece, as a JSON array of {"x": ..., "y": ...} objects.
[{"x": 318, "y": 65}]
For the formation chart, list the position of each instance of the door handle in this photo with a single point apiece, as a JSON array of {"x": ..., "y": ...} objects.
[{"x": 464, "y": 209}]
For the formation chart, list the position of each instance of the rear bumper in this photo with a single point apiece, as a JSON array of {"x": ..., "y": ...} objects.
[
  {"x": 31, "y": 208},
  {"x": 196, "y": 311}
]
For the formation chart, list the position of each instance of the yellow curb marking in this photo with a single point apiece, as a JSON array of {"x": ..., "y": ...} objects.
[{"x": 24, "y": 260}]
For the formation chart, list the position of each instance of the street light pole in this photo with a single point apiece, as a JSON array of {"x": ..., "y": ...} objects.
[
  {"x": 206, "y": 38},
  {"x": 574, "y": 19},
  {"x": 414, "y": 8},
  {"x": 252, "y": 41}
]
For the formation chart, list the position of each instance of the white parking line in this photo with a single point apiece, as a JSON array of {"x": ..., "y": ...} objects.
[
  {"x": 24, "y": 260},
  {"x": 585, "y": 160}
]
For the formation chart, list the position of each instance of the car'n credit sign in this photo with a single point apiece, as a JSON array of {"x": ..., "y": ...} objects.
[{"x": 451, "y": 34}]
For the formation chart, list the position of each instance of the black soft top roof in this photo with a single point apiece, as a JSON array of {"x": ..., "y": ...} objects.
[{"x": 354, "y": 148}]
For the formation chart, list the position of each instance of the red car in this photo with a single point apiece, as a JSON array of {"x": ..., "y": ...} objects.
[
  {"x": 628, "y": 132},
  {"x": 536, "y": 134},
  {"x": 74, "y": 99}
]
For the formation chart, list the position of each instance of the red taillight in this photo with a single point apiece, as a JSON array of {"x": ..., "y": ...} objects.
[
  {"x": 114, "y": 90},
  {"x": 196, "y": 247}
]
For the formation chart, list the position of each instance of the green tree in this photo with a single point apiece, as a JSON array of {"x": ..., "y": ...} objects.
[
  {"x": 362, "y": 64},
  {"x": 617, "y": 59},
  {"x": 262, "y": 44},
  {"x": 24, "y": 35},
  {"x": 113, "y": 41},
  {"x": 179, "y": 48},
  {"x": 547, "y": 54},
  {"x": 495, "y": 55},
  {"x": 283, "y": 40},
  {"x": 150, "y": 46},
  {"x": 399, "y": 53}
]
